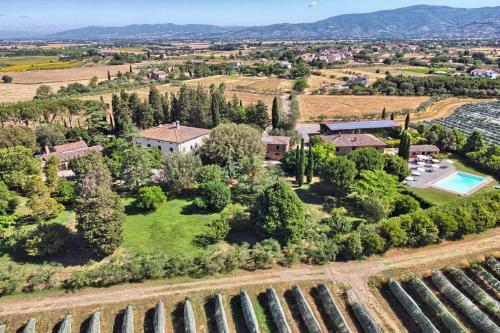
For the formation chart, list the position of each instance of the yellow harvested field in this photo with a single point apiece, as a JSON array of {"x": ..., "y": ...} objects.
[
  {"x": 315, "y": 81},
  {"x": 10, "y": 93},
  {"x": 335, "y": 107},
  {"x": 247, "y": 84},
  {"x": 42, "y": 66},
  {"x": 67, "y": 75}
]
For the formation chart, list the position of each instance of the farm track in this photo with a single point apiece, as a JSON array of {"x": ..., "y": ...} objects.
[{"x": 354, "y": 274}]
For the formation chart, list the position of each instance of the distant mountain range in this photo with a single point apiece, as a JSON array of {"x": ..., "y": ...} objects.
[{"x": 422, "y": 21}]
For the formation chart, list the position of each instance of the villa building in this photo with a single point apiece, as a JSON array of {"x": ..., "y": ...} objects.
[
  {"x": 346, "y": 143},
  {"x": 488, "y": 74},
  {"x": 65, "y": 153},
  {"x": 174, "y": 138},
  {"x": 276, "y": 146}
]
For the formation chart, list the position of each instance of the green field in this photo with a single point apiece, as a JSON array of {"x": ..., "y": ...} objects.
[
  {"x": 169, "y": 230},
  {"x": 425, "y": 70},
  {"x": 28, "y": 60}
]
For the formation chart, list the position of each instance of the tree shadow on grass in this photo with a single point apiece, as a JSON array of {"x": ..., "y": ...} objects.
[{"x": 313, "y": 194}]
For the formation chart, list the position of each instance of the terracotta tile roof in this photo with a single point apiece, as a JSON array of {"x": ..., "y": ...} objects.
[
  {"x": 70, "y": 146},
  {"x": 353, "y": 140},
  {"x": 424, "y": 148},
  {"x": 65, "y": 156},
  {"x": 172, "y": 133},
  {"x": 276, "y": 140}
]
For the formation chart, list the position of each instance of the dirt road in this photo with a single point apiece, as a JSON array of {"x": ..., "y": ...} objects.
[{"x": 354, "y": 274}]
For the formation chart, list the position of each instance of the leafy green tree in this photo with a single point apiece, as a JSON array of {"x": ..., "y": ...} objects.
[
  {"x": 475, "y": 142},
  {"x": 258, "y": 115},
  {"x": 8, "y": 200},
  {"x": 155, "y": 100},
  {"x": 276, "y": 113},
  {"x": 50, "y": 135},
  {"x": 7, "y": 79},
  {"x": 339, "y": 172},
  {"x": 279, "y": 213},
  {"x": 99, "y": 212},
  {"x": 323, "y": 152},
  {"x": 150, "y": 198},
  {"x": 367, "y": 159},
  {"x": 13, "y": 136},
  {"x": 51, "y": 169},
  {"x": 396, "y": 166},
  {"x": 137, "y": 166},
  {"x": 300, "y": 85},
  {"x": 66, "y": 192},
  {"x": 422, "y": 231},
  {"x": 43, "y": 207},
  {"x": 18, "y": 167},
  {"x": 231, "y": 142},
  {"x": 371, "y": 241},
  {"x": 180, "y": 171}
]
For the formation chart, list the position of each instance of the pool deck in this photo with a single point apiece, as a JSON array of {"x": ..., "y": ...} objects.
[{"x": 431, "y": 176}]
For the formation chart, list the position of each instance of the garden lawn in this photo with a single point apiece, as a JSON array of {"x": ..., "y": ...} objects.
[{"x": 170, "y": 230}]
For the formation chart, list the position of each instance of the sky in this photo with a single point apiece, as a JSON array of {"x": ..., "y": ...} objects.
[{"x": 57, "y": 15}]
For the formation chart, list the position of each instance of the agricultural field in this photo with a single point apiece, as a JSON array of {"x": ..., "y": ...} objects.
[
  {"x": 351, "y": 107},
  {"x": 42, "y": 66},
  {"x": 470, "y": 117},
  {"x": 452, "y": 299}
]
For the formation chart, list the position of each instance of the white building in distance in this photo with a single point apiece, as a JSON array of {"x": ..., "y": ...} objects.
[{"x": 174, "y": 138}]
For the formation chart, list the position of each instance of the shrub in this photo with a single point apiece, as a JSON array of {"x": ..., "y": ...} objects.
[
  {"x": 352, "y": 246},
  {"x": 423, "y": 231},
  {"x": 210, "y": 173},
  {"x": 7, "y": 79},
  {"x": 215, "y": 196},
  {"x": 371, "y": 241},
  {"x": 8, "y": 200},
  {"x": 445, "y": 222},
  {"x": 266, "y": 253},
  {"x": 46, "y": 240},
  {"x": 150, "y": 198},
  {"x": 367, "y": 159},
  {"x": 391, "y": 229},
  {"x": 404, "y": 205},
  {"x": 396, "y": 166},
  {"x": 66, "y": 192}
]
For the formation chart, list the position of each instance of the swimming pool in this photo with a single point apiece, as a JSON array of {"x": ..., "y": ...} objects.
[{"x": 459, "y": 182}]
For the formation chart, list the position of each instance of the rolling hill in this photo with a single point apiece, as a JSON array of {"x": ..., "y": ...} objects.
[{"x": 422, "y": 21}]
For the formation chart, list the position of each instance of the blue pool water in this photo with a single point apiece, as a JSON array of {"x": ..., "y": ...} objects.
[{"x": 459, "y": 182}]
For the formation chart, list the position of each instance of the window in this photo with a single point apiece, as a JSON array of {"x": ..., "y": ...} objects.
[
  {"x": 171, "y": 149},
  {"x": 159, "y": 147}
]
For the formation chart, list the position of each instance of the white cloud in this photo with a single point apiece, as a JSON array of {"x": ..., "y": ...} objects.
[{"x": 312, "y": 3}]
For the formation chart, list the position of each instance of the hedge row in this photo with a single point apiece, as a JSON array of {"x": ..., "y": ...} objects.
[
  {"x": 220, "y": 315},
  {"x": 332, "y": 309},
  {"x": 189, "y": 320}
]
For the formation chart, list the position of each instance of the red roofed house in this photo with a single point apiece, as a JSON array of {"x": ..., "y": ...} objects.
[
  {"x": 174, "y": 138},
  {"x": 346, "y": 143},
  {"x": 276, "y": 146},
  {"x": 66, "y": 152}
]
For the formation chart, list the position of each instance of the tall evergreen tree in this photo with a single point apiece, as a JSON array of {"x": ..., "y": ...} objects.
[
  {"x": 310, "y": 166},
  {"x": 407, "y": 121},
  {"x": 404, "y": 145},
  {"x": 130, "y": 69},
  {"x": 156, "y": 102},
  {"x": 384, "y": 113},
  {"x": 302, "y": 163},
  {"x": 109, "y": 76},
  {"x": 166, "y": 109},
  {"x": 392, "y": 116},
  {"x": 215, "y": 105},
  {"x": 276, "y": 112},
  {"x": 297, "y": 164}
]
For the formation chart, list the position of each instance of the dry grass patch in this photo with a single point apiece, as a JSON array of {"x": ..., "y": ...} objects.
[
  {"x": 340, "y": 107},
  {"x": 10, "y": 93}
]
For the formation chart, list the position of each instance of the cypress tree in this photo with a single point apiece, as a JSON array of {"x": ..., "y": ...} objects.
[
  {"x": 214, "y": 106},
  {"x": 404, "y": 145},
  {"x": 130, "y": 69},
  {"x": 302, "y": 164},
  {"x": 384, "y": 113},
  {"x": 276, "y": 112},
  {"x": 109, "y": 76},
  {"x": 392, "y": 116},
  {"x": 407, "y": 121},
  {"x": 310, "y": 166},
  {"x": 297, "y": 164}
]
